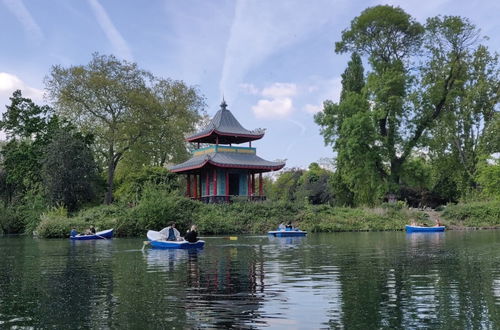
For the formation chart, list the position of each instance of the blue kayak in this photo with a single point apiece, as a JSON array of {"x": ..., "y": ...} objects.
[
  {"x": 287, "y": 233},
  {"x": 156, "y": 241},
  {"x": 420, "y": 229},
  {"x": 105, "y": 234}
]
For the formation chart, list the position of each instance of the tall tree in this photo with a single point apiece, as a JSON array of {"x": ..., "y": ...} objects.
[
  {"x": 29, "y": 128},
  {"x": 69, "y": 172},
  {"x": 114, "y": 100},
  {"x": 416, "y": 74},
  {"x": 348, "y": 127}
]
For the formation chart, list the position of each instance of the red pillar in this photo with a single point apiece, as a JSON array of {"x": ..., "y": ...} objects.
[
  {"x": 261, "y": 187},
  {"x": 207, "y": 184},
  {"x": 249, "y": 183},
  {"x": 188, "y": 190},
  {"x": 253, "y": 183},
  {"x": 215, "y": 182},
  {"x": 195, "y": 186}
]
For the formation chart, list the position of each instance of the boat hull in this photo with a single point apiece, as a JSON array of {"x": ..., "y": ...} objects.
[
  {"x": 155, "y": 240},
  {"x": 419, "y": 229},
  {"x": 287, "y": 233},
  {"x": 105, "y": 234},
  {"x": 177, "y": 245}
]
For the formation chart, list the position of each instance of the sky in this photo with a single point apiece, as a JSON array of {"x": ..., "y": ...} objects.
[{"x": 272, "y": 61}]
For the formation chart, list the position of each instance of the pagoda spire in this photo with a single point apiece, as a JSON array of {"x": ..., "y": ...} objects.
[{"x": 223, "y": 105}]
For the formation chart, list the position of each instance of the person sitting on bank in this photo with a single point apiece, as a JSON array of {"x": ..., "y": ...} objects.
[
  {"x": 170, "y": 233},
  {"x": 73, "y": 232},
  {"x": 192, "y": 235}
]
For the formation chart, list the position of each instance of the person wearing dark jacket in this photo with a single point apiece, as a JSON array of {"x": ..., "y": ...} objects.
[{"x": 192, "y": 235}]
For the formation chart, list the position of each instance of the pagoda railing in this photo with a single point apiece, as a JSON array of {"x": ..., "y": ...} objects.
[{"x": 220, "y": 199}]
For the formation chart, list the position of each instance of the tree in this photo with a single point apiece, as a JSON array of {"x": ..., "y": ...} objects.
[
  {"x": 29, "y": 128},
  {"x": 315, "y": 185},
  {"x": 416, "y": 74},
  {"x": 179, "y": 112},
  {"x": 114, "y": 100},
  {"x": 348, "y": 127},
  {"x": 69, "y": 172}
]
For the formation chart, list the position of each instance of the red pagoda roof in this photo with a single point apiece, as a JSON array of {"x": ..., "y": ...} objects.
[
  {"x": 224, "y": 128},
  {"x": 228, "y": 157}
]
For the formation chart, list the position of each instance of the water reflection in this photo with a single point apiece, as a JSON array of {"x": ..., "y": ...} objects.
[{"x": 348, "y": 280}]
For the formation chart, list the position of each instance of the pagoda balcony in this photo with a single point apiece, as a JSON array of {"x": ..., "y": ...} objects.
[{"x": 221, "y": 199}]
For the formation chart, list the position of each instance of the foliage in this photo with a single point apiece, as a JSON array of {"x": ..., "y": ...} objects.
[
  {"x": 285, "y": 187},
  {"x": 157, "y": 208},
  {"x": 431, "y": 88},
  {"x": 475, "y": 214},
  {"x": 488, "y": 177},
  {"x": 131, "y": 185},
  {"x": 69, "y": 171},
  {"x": 315, "y": 185},
  {"x": 126, "y": 108}
]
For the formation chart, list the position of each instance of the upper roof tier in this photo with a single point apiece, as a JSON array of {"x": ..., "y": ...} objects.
[{"x": 224, "y": 128}]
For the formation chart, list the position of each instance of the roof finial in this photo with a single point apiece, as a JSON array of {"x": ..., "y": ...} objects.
[{"x": 223, "y": 105}]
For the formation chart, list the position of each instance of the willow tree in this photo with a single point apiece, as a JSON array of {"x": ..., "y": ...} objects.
[{"x": 115, "y": 101}]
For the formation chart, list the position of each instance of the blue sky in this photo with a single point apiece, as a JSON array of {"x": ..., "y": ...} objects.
[{"x": 272, "y": 60}]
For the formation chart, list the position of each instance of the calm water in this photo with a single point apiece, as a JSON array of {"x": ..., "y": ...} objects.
[{"x": 347, "y": 280}]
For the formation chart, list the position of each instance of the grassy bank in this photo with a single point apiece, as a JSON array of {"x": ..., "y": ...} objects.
[
  {"x": 157, "y": 208},
  {"x": 473, "y": 215}
]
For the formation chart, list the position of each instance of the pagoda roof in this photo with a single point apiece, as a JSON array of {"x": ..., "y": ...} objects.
[
  {"x": 224, "y": 128},
  {"x": 228, "y": 160}
]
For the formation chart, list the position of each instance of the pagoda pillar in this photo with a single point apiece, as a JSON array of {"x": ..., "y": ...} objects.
[
  {"x": 261, "y": 187},
  {"x": 253, "y": 184},
  {"x": 207, "y": 184},
  {"x": 215, "y": 181},
  {"x": 188, "y": 188},
  {"x": 195, "y": 186},
  {"x": 227, "y": 185}
]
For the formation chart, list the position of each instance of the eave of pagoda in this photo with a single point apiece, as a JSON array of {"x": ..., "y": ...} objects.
[{"x": 215, "y": 136}]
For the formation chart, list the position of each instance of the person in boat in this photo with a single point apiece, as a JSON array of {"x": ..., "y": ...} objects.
[
  {"x": 191, "y": 235},
  {"x": 170, "y": 233},
  {"x": 289, "y": 226},
  {"x": 90, "y": 231},
  {"x": 281, "y": 226},
  {"x": 73, "y": 232}
]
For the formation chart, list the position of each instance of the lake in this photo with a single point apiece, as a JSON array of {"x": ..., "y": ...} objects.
[{"x": 389, "y": 280}]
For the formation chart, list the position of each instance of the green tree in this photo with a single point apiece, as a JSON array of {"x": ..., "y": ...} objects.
[
  {"x": 315, "y": 185},
  {"x": 416, "y": 75},
  {"x": 114, "y": 100},
  {"x": 348, "y": 126},
  {"x": 286, "y": 185},
  {"x": 29, "y": 128},
  {"x": 69, "y": 172}
]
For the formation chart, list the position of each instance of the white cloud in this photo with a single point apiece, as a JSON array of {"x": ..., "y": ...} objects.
[
  {"x": 250, "y": 89},
  {"x": 18, "y": 8},
  {"x": 9, "y": 83},
  {"x": 279, "y": 90},
  {"x": 270, "y": 109},
  {"x": 263, "y": 28},
  {"x": 312, "y": 109},
  {"x": 119, "y": 44}
]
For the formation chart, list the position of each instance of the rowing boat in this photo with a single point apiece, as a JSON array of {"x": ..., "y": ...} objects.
[
  {"x": 104, "y": 234},
  {"x": 156, "y": 241},
  {"x": 421, "y": 229}
]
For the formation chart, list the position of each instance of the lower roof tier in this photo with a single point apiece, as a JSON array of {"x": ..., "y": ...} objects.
[{"x": 227, "y": 160}]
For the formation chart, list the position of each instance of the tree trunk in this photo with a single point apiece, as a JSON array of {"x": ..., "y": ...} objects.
[
  {"x": 396, "y": 166},
  {"x": 111, "y": 174}
]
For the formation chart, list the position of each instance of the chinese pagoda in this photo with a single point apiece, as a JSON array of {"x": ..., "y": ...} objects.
[{"x": 218, "y": 172}]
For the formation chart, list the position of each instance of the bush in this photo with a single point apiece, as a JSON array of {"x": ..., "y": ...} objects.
[{"x": 474, "y": 214}]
